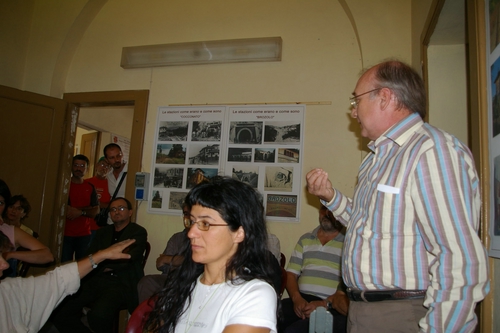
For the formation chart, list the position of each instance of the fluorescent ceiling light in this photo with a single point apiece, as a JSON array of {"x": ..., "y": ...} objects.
[{"x": 209, "y": 52}]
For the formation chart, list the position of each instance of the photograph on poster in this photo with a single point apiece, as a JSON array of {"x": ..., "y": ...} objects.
[
  {"x": 279, "y": 179},
  {"x": 176, "y": 199},
  {"x": 496, "y": 196},
  {"x": 494, "y": 18},
  {"x": 265, "y": 155},
  {"x": 168, "y": 177},
  {"x": 281, "y": 132},
  {"x": 170, "y": 153},
  {"x": 197, "y": 175},
  {"x": 288, "y": 155},
  {"x": 239, "y": 154},
  {"x": 248, "y": 174},
  {"x": 495, "y": 91},
  {"x": 281, "y": 205},
  {"x": 204, "y": 154},
  {"x": 206, "y": 131},
  {"x": 156, "y": 199},
  {"x": 173, "y": 131},
  {"x": 245, "y": 132}
]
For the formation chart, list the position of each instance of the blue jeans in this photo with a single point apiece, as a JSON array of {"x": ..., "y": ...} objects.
[{"x": 76, "y": 246}]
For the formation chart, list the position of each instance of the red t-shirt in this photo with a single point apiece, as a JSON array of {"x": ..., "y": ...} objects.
[
  {"x": 80, "y": 195},
  {"x": 101, "y": 187}
]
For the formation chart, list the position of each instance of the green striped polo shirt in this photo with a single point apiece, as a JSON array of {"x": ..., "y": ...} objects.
[{"x": 318, "y": 266}]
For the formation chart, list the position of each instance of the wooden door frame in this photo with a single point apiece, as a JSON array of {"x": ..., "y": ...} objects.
[
  {"x": 56, "y": 211},
  {"x": 139, "y": 100}
]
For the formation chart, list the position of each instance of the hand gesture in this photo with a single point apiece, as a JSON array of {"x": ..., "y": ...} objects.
[
  {"x": 319, "y": 185},
  {"x": 116, "y": 250}
]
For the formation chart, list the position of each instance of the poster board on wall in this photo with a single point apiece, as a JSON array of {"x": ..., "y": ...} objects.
[
  {"x": 493, "y": 63},
  {"x": 260, "y": 145}
]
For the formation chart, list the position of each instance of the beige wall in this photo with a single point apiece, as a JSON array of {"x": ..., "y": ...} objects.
[
  {"x": 325, "y": 45},
  {"x": 448, "y": 89},
  {"x": 419, "y": 13}
]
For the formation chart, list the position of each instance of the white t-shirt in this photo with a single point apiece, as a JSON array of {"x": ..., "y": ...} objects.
[
  {"x": 113, "y": 182},
  {"x": 214, "y": 307},
  {"x": 26, "y": 303}
]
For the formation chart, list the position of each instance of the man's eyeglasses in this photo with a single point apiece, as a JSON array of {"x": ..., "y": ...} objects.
[
  {"x": 202, "y": 225},
  {"x": 115, "y": 209},
  {"x": 2, "y": 203},
  {"x": 77, "y": 165},
  {"x": 354, "y": 99}
]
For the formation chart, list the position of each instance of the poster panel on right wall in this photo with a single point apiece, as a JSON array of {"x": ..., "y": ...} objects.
[{"x": 493, "y": 61}]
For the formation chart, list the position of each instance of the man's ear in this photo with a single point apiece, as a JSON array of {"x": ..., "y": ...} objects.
[
  {"x": 386, "y": 97},
  {"x": 239, "y": 235}
]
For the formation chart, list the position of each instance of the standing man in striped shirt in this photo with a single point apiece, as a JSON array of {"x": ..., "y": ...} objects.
[{"x": 412, "y": 257}]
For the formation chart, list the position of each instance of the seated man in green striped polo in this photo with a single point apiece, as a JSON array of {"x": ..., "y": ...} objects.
[{"x": 314, "y": 277}]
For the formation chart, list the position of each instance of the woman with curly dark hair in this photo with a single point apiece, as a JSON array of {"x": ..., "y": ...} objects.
[
  {"x": 18, "y": 209},
  {"x": 224, "y": 282}
]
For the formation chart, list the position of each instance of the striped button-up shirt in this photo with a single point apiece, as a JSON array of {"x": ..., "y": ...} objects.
[{"x": 412, "y": 223}]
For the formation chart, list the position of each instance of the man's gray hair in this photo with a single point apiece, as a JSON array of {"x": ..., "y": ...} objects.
[{"x": 405, "y": 83}]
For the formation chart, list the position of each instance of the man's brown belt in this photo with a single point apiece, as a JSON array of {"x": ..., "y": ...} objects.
[{"x": 383, "y": 295}]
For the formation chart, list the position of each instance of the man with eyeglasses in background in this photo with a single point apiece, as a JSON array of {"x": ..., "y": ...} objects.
[
  {"x": 83, "y": 206},
  {"x": 113, "y": 284},
  {"x": 412, "y": 258}
]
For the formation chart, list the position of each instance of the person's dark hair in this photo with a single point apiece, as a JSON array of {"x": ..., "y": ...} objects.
[
  {"x": 129, "y": 204},
  {"x": 108, "y": 146},
  {"x": 5, "y": 244},
  {"x": 81, "y": 157},
  {"x": 23, "y": 202},
  {"x": 405, "y": 83},
  {"x": 335, "y": 223},
  {"x": 5, "y": 193},
  {"x": 239, "y": 205}
]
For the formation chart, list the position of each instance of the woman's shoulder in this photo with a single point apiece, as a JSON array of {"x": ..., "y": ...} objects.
[{"x": 250, "y": 285}]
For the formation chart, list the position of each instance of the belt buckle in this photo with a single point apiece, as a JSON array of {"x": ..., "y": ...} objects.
[{"x": 353, "y": 295}]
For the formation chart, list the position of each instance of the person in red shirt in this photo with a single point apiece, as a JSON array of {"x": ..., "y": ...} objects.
[
  {"x": 83, "y": 206},
  {"x": 100, "y": 183}
]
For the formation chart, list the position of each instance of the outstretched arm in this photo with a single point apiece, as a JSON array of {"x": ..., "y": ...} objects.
[{"x": 113, "y": 252}]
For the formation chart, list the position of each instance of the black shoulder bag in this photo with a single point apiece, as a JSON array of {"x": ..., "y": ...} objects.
[{"x": 102, "y": 218}]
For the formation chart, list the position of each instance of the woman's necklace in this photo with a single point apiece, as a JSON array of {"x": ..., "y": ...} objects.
[{"x": 188, "y": 324}]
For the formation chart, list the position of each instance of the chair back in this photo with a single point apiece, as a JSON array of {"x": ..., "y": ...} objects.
[
  {"x": 282, "y": 260},
  {"x": 284, "y": 277},
  {"x": 138, "y": 317},
  {"x": 146, "y": 254},
  {"x": 320, "y": 321}
]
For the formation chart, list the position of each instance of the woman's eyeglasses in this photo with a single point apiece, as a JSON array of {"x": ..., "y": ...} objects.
[{"x": 202, "y": 225}]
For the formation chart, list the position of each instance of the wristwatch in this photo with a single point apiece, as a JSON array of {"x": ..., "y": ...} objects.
[
  {"x": 84, "y": 213},
  {"x": 92, "y": 262},
  {"x": 329, "y": 305}
]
